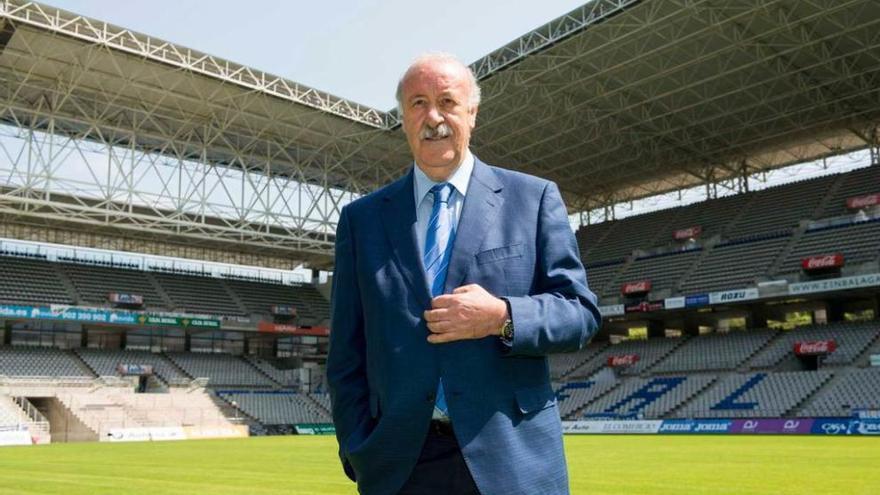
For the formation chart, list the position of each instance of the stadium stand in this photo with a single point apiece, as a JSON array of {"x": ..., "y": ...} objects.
[
  {"x": 105, "y": 362},
  {"x": 34, "y": 280},
  {"x": 649, "y": 352},
  {"x": 573, "y": 396},
  {"x": 852, "y": 184},
  {"x": 713, "y": 217},
  {"x": 284, "y": 377},
  {"x": 220, "y": 369},
  {"x": 278, "y": 408},
  {"x": 664, "y": 271},
  {"x": 858, "y": 243},
  {"x": 755, "y": 395},
  {"x": 41, "y": 362},
  {"x": 200, "y": 295},
  {"x": 760, "y": 228},
  {"x": 851, "y": 339},
  {"x": 94, "y": 283},
  {"x": 719, "y": 351},
  {"x": 106, "y": 408},
  {"x": 857, "y": 389},
  {"x": 626, "y": 235},
  {"x": 562, "y": 364},
  {"x": 734, "y": 264},
  {"x": 599, "y": 275},
  {"x": 312, "y": 308},
  {"x": 648, "y": 398},
  {"x": 25, "y": 280},
  {"x": 779, "y": 209}
]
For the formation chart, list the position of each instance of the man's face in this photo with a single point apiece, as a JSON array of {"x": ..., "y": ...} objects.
[{"x": 437, "y": 116}]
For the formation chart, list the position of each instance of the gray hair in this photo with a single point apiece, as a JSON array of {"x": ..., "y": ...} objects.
[{"x": 475, "y": 92}]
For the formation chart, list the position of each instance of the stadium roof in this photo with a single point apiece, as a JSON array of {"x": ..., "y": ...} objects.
[{"x": 617, "y": 100}]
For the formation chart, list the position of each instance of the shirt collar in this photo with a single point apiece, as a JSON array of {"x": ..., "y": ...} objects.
[{"x": 459, "y": 180}]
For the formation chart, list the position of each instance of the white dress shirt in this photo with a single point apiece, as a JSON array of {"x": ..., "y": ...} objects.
[{"x": 425, "y": 201}]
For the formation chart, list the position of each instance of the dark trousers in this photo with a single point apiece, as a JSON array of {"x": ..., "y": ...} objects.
[{"x": 441, "y": 469}]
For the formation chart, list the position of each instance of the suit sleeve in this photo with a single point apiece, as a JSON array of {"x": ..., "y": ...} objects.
[
  {"x": 561, "y": 314},
  {"x": 346, "y": 359}
]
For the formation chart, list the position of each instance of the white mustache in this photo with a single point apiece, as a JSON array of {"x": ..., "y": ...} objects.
[{"x": 439, "y": 132}]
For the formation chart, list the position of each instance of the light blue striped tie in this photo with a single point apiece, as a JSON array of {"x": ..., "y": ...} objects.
[{"x": 438, "y": 247}]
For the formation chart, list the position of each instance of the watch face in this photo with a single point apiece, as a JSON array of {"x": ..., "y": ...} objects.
[{"x": 507, "y": 330}]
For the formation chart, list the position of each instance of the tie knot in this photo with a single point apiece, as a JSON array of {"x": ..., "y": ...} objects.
[{"x": 442, "y": 192}]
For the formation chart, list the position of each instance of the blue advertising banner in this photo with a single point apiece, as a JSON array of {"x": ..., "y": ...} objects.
[
  {"x": 68, "y": 314},
  {"x": 831, "y": 426},
  {"x": 94, "y": 315},
  {"x": 695, "y": 426},
  {"x": 697, "y": 300}
]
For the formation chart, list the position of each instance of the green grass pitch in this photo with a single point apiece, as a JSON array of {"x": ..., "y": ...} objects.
[{"x": 632, "y": 465}]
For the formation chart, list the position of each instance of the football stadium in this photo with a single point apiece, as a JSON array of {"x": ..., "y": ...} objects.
[{"x": 168, "y": 221}]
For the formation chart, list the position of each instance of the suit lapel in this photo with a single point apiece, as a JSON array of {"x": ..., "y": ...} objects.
[
  {"x": 481, "y": 206},
  {"x": 399, "y": 219}
]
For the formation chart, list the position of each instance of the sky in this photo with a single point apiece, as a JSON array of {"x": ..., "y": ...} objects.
[{"x": 356, "y": 49}]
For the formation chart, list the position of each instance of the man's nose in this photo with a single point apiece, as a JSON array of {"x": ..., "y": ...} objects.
[{"x": 434, "y": 117}]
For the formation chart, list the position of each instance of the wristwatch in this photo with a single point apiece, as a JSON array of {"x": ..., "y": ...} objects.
[{"x": 507, "y": 332}]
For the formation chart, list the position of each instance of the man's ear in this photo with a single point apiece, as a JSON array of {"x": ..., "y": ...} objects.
[{"x": 472, "y": 116}]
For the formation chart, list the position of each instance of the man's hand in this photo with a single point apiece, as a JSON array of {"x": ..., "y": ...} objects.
[{"x": 468, "y": 313}]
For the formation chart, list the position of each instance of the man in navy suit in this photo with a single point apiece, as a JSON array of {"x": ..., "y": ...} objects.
[{"x": 451, "y": 287}]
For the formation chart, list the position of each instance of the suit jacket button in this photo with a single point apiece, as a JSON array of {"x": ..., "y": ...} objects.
[{"x": 432, "y": 397}]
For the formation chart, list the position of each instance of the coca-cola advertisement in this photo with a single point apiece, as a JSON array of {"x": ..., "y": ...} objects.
[
  {"x": 639, "y": 287},
  {"x": 859, "y": 202},
  {"x": 822, "y": 262},
  {"x": 688, "y": 233},
  {"x": 623, "y": 360},
  {"x": 815, "y": 347}
]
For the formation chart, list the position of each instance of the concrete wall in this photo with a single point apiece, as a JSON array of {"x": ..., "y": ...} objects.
[{"x": 63, "y": 425}]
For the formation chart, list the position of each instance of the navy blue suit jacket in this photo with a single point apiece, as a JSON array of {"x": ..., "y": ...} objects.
[{"x": 514, "y": 240}]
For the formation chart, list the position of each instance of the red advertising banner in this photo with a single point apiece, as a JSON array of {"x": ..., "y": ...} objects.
[
  {"x": 640, "y": 287},
  {"x": 269, "y": 327},
  {"x": 623, "y": 360},
  {"x": 815, "y": 347},
  {"x": 644, "y": 307},
  {"x": 822, "y": 262},
  {"x": 688, "y": 233},
  {"x": 859, "y": 202}
]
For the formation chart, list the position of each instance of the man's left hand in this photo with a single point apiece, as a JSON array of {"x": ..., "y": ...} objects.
[{"x": 468, "y": 313}]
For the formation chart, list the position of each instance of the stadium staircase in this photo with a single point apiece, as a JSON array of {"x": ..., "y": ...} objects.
[
  {"x": 863, "y": 360},
  {"x": 579, "y": 412},
  {"x": 789, "y": 246},
  {"x": 744, "y": 366},
  {"x": 830, "y": 194},
  {"x": 318, "y": 404},
  {"x": 745, "y": 209},
  {"x": 615, "y": 281},
  {"x": 68, "y": 286},
  {"x": 81, "y": 363},
  {"x": 840, "y": 375},
  {"x": 707, "y": 247},
  {"x": 20, "y": 411},
  {"x": 167, "y": 302},
  {"x": 235, "y": 297},
  {"x": 679, "y": 342},
  {"x": 829, "y": 381},
  {"x": 685, "y": 404},
  {"x": 234, "y": 414},
  {"x": 176, "y": 366}
]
